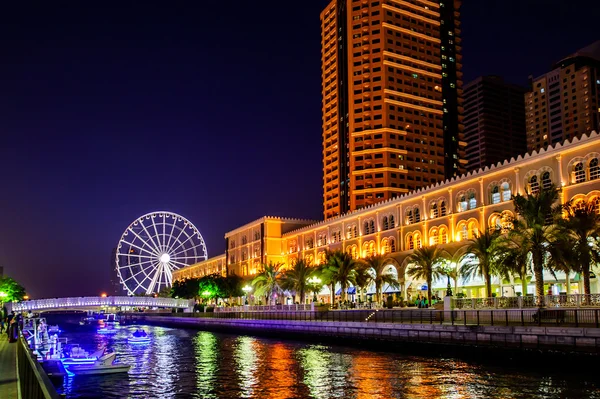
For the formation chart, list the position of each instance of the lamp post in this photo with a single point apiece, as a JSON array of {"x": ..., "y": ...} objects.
[
  {"x": 447, "y": 271},
  {"x": 246, "y": 290}
]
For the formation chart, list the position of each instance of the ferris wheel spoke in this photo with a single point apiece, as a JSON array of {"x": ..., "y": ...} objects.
[
  {"x": 168, "y": 276},
  {"x": 184, "y": 242},
  {"x": 138, "y": 247},
  {"x": 185, "y": 250},
  {"x": 171, "y": 235},
  {"x": 142, "y": 270},
  {"x": 179, "y": 263},
  {"x": 156, "y": 247},
  {"x": 145, "y": 243},
  {"x": 179, "y": 235},
  {"x": 187, "y": 257},
  {"x": 153, "y": 282},
  {"x": 157, "y": 236}
]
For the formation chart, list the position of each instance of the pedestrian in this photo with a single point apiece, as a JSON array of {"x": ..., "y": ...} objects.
[{"x": 1, "y": 325}]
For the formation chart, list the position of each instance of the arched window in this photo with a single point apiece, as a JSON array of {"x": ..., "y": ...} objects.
[
  {"x": 371, "y": 249},
  {"x": 597, "y": 204},
  {"x": 366, "y": 228},
  {"x": 244, "y": 240},
  {"x": 546, "y": 181},
  {"x": 417, "y": 215},
  {"x": 322, "y": 257},
  {"x": 594, "y": 169},
  {"x": 409, "y": 217},
  {"x": 579, "y": 173},
  {"x": 410, "y": 242},
  {"x": 256, "y": 235},
  {"x": 463, "y": 233},
  {"x": 433, "y": 237},
  {"x": 392, "y": 244},
  {"x": 473, "y": 230},
  {"x": 352, "y": 251},
  {"x": 385, "y": 246},
  {"x": 417, "y": 240},
  {"x": 354, "y": 231},
  {"x": 443, "y": 208},
  {"x": 495, "y": 195},
  {"x": 534, "y": 185},
  {"x": 391, "y": 219},
  {"x": 385, "y": 223},
  {"x": 434, "y": 211},
  {"x": 462, "y": 203},
  {"x": 372, "y": 226},
  {"x": 310, "y": 243},
  {"x": 506, "y": 194},
  {"x": 472, "y": 200},
  {"x": 443, "y": 235}
]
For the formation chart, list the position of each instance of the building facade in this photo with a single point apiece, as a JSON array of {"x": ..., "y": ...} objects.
[
  {"x": 391, "y": 99},
  {"x": 565, "y": 102},
  {"x": 494, "y": 121},
  {"x": 446, "y": 213}
]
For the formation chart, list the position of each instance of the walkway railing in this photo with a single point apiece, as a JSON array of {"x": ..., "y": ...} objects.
[
  {"x": 33, "y": 381},
  {"x": 266, "y": 308},
  {"x": 92, "y": 301},
  {"x": 507, "y": 317},
  {"x": 549, "y": 301}
]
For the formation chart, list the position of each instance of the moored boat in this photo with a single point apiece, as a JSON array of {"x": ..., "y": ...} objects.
[{"x": 104, "y": 365}]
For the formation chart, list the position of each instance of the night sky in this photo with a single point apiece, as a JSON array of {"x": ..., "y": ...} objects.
[{"x": 210, "y": 109}]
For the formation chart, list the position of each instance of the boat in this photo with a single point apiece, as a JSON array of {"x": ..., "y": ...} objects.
[
  {"x": 87, "y": 320},
  {"x": 74, "y": 354},
  {"x": 139, "y": 337},
  {"x": 53, "y": 329},
  {"x": 106, "y": 330},
  {"x": 105, "y": 364},
  {"x": 111, "y": 318}
]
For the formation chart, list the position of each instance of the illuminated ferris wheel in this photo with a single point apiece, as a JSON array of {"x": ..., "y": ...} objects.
[{"x": 152, "y": 247}]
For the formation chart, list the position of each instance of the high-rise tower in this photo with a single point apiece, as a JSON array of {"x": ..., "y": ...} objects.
[
  {"x": 565, "y": 102},
  {"x": 391, "y": 91}
]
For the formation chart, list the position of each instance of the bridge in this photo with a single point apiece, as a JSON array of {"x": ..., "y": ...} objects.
[{"x": 92, "y": 302}]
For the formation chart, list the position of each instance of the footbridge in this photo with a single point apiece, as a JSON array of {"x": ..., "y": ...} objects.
[{"x": 93, "y": 302}]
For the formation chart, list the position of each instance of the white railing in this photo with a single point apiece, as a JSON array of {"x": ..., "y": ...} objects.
[
  {"x": 267, "y": 308},
  {"x": 92, "y": 301},
  {"x": 519, "y": 302}
]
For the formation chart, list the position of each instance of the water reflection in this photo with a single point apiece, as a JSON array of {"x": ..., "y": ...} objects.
[
  {"x": 205, "y": 344},
  {"x": 246, "y": 358},
  {"x": 182, "y": 363}
]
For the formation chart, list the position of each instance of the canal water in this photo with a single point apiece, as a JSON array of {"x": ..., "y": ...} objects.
[{"x": 183, "y": 363}]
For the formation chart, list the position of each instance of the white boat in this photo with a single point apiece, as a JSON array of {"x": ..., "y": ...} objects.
[
  {"x": 104, "y": 365},
  {"x": 139, "y": 337},
  {"x": 76, "y": 355}
]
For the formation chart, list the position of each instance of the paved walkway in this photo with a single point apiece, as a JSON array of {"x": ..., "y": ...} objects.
[{"x": 8, "y": 369}]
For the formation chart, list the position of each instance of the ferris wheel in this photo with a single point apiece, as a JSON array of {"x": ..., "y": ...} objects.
[{"x": 152, "y": 247}]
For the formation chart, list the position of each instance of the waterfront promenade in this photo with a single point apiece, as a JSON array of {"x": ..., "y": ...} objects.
[
  {"x": 574, "y": 332},
  {"x": 9, "y": 387}
]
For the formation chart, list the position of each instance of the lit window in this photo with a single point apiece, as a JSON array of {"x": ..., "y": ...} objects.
[{"x": 542, "y": 90}]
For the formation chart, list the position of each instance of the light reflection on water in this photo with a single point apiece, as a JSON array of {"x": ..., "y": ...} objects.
[{"x": 181, "y": 363}]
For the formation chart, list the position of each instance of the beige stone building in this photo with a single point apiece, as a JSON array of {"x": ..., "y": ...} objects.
[{"x": 446, "y": 213}]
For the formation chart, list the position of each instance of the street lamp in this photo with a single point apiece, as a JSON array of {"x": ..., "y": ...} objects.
[
  {"x": 314, "y": 283},
  {"x": 3, "y": 294},
  {"x": 246, "y": 290}
]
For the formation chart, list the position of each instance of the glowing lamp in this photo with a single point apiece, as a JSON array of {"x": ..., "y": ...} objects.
[
  {"x": 3, "y": 294},
  {"x": 25, "y": 297},
  {"x": 247, "y": 289},
  {"x": 103, "y": 295}
]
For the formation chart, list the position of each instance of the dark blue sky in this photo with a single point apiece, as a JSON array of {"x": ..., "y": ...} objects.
[{"x": 110, "y": 110}]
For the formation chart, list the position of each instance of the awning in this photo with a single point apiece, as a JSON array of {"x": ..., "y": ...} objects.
[{"x": 350, "y": 290}]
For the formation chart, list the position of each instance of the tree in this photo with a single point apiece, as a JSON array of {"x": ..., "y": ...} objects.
[
  {"x": 230, "y": 286},
  {"x": 187, "y": 288},
  {"x": 581, "y": 227},
  {"x": 340, "y": 268},
  {"x": 268, "y": 281},
  {"x": 535, "y": 230},
  {"x": 11, "y": 290},
  {"x": 423, "y": 264},
  {"x": 482, "y": 258},
  {"x": 381, "y": 274},
  {"x": 513, "y": 259},
  {"x": 208, "y": 287},
  {"x": 295, "y": 279},
  {"x": 363, "y": 278}
]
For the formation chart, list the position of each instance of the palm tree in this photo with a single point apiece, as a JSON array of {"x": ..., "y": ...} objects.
[
  {"x": 534, "y": 229},
  {"x": 340, "y": 268},
  {"x": 454, "y": 256},
  {"x": 513, "y": 259},
  {"x": 482, "y": 258},
  {"x": 423, "y": 264},
  {"x": 381, "y": 274},
  {"x": 295, "y": 279},
  {"x": 581, "y": 226},
  {"x": 268, "y": 281},
  {"x": 363, "y": 278}
]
